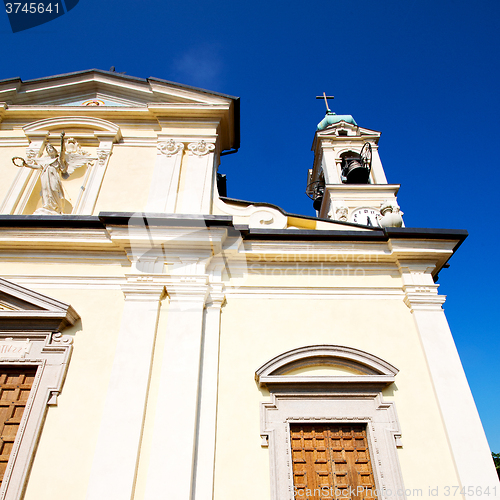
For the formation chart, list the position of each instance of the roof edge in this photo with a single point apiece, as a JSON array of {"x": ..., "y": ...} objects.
[{"x": 236, "y": 100}]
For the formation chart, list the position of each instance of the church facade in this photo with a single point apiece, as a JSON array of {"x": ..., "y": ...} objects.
[{"x": 155, "y": 335}]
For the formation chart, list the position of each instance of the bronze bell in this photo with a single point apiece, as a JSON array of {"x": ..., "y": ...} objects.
[
  {"x": 317, "y": 203},
  {"x": 316, "y": 191},
  {"x": 355, "y": 172}
]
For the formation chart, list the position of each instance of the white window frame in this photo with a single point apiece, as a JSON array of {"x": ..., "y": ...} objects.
[
  {"x": 345, "y": 398},
  {"x": 34, "y": 322}
]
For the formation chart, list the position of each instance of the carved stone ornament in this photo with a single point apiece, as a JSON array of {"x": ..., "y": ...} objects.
[
  {"x": 60, "y": 339},
  {"x": 341, "y": 212},
  {"x": 170, "y": 147},
  {"x": 31, "y": 153},
  {"x": 55, "y": 166},
  {"x": 201, "y": 148},
  {"x": 391, "y": 214},
  {"x": 102, "y": 156}
]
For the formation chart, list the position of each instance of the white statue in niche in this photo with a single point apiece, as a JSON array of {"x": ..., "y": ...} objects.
[{"x": 53, "y": 166}]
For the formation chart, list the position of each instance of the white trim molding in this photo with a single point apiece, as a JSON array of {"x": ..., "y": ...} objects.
[
  {"x": 373, "y": 369},
  {"x": 330, "y": 400}
]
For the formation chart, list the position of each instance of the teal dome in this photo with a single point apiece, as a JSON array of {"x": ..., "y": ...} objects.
[{"x": 331, "y": 118}]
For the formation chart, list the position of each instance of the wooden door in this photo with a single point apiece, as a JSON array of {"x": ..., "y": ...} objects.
[
  {"x": 331, "y": 462},
  {"x": 15, "y": 386}
]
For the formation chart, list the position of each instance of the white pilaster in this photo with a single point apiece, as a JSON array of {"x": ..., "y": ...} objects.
[
  {"x": 465, "y": 433},
  {"x": 95, "y": 175},
  {"x": 165, "y": 183},
  {"x": 329, "y": 166},
  {"x": 378, "y": 174},
  {"x": 207, "y": 421},
  {"x": 19, "y": 193},
  {"x": 116, "y": 455},
  {"x": 170, "y": 472},
  {"x": 198, "y": 185}
]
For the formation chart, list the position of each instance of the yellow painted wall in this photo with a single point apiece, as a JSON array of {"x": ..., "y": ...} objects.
[
  {"x": 126, "y": 185},
  {"x": 69, "y": 435}
]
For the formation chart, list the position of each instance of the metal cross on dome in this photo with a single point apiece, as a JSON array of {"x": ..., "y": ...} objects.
[{"x": 325, "y": 97}]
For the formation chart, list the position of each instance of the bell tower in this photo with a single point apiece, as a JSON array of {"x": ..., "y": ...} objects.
[{"x": 347, "y": 182}]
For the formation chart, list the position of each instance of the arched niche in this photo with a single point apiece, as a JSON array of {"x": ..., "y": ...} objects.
[
  {"x": 99, "y": 127},
  {"x": 94, "y": 135}
]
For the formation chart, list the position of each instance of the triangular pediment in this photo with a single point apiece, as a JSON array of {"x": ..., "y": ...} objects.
[
  {"x": 333, "y": 130},
  {"x": 25, "y": 310},
  {"x": 103, "y": 88}
]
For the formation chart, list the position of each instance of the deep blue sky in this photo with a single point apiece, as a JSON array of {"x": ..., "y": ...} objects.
[{"x": 424, "y": 72}]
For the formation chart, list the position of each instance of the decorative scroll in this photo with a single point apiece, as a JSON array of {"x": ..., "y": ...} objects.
[
  {"x": 201, "y": 148},
  {"x": 60, "y": 339},
  {"x": 170, "y": 147}
]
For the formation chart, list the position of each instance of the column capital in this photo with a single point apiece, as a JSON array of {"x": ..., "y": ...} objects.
[
  {"x": 421, "y": 293},
  {"x": 143, "y": 288},
  {"x": 416, "y": 271},
  {"x": 216, "y": 297},
  {"x": 169, "y": 147},
  {"x": 102, "y": 155},
  {"x": 201, "y": 148},
  {"x": 188, "y": 290},
  {"x": 423, "y": 300}
]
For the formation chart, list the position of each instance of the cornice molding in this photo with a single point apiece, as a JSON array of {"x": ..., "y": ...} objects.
[{"x": 162, "y": 236}]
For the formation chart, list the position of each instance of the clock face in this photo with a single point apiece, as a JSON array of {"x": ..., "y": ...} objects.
[{"x": 366, "y": 216}]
